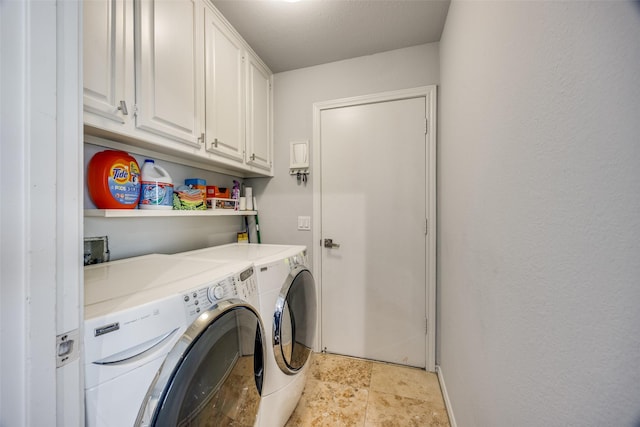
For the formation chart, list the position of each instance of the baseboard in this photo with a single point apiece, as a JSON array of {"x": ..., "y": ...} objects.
[{"x": 445, "y": 395}]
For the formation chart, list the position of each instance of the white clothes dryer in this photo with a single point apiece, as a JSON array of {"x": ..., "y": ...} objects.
[
  {"x": 166, "y": 340},
  {"x": 288, "y": 309}
]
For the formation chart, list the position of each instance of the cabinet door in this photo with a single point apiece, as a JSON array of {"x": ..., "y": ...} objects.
[
  {"x": 169, "y": 69},
  {"x": 258, "y": 114},
  {"x": 105, "y": 63},
  {"x": 224, "y": 101}
]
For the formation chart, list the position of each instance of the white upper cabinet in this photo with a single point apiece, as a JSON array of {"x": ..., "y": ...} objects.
[
  {"x": 258, "y": 114},
  {"x": 108, "y": 70},
  {"x": 174, "y": 77},
  {"x": 224, "y": 89},
  {"x": 169, "y": 69}
]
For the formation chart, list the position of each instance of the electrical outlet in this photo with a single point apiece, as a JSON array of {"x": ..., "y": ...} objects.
[{"x": 304, "y": 223}]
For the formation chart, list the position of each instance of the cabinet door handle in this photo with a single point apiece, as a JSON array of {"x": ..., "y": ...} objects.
[
  {"x": 253, "y": 157},
  {"x": 201, "y": 138},
  {"x": 215, "y": 143},
  {"x": 123, "y": 108}
]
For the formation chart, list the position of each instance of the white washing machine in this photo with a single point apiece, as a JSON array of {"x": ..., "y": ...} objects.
[
  {"x": 171, "y": 341},
  {"x": 288, "y": 310}
]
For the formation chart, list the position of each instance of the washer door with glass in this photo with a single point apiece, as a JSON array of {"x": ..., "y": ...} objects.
[
  {"x": 213, "y": 375},
  {"x": 294, "y": 321}
]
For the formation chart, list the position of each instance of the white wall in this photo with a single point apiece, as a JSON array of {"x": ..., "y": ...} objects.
[
  {"x": 281, "y": 199},
  {"x": 539, "y": 213}
]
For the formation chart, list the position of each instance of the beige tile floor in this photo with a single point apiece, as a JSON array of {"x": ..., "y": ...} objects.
[{"x": 345, "y": 391}]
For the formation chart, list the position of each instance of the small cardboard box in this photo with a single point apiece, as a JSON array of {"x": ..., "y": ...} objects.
[
  {"x": 243, "y": 237},
  {"x": 211, "y": 191},
  {"x": 221, "y": 192}
]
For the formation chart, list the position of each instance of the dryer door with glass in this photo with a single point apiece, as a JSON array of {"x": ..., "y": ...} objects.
[
  {"x": 213, "y": 375},
  {"x": 294, "y": 321}
]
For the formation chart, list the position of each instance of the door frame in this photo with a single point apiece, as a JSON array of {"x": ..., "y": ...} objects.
[
  {"x": 430, "y": 94},
  {"x": 41, "y": 280}
]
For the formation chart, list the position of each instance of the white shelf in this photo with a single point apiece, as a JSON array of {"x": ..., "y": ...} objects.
[{"x": 145, "y": 213}]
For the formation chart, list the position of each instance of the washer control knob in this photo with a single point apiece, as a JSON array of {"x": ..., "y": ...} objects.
[{"x": 216, "y": 293}]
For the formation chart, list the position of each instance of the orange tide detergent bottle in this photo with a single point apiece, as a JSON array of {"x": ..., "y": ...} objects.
[{"x": 113, "y": 178}]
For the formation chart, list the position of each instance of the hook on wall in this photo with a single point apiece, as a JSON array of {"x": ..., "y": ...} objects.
[
  {"x": 301, "y": 175},
  {"x": 299, "y": 160}
]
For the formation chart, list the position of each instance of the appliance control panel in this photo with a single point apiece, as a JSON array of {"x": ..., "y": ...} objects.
[
  {"x": 200, "y": 299},
  {"x": 297, "y": 259},
  {"x": 248, "y": 287},
  {"x": 242, "y": 285},
  {"x": 223, "y": 289}
]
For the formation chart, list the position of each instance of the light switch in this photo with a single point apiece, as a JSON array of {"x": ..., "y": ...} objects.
[{"x": 304, "y": 223}]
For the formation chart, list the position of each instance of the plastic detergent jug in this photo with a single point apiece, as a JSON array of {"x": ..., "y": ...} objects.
[
  {"x": 113, "y": 180},
  {"x": 157, "y": 187}
]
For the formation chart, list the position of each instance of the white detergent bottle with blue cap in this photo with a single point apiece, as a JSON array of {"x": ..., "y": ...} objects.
[{"x": 156, "y": 191}]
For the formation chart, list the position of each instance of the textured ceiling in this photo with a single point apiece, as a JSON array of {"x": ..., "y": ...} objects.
[{"x": 288, "y": 35}]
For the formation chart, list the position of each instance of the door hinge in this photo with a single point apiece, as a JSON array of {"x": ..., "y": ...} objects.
[
  {"x": 426, "y": 125},
  {"x": 426, "y": 326},
  {"x": 426, "y": 226}
]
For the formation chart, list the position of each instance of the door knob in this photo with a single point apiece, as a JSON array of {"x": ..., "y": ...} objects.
[{"x": 328, "y": 243}]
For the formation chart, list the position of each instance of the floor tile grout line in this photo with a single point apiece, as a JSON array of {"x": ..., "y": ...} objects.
[{"x": 366, "y": 408}]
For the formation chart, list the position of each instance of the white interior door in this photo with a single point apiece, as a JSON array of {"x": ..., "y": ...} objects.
[{"x": 374, "y": 205}]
